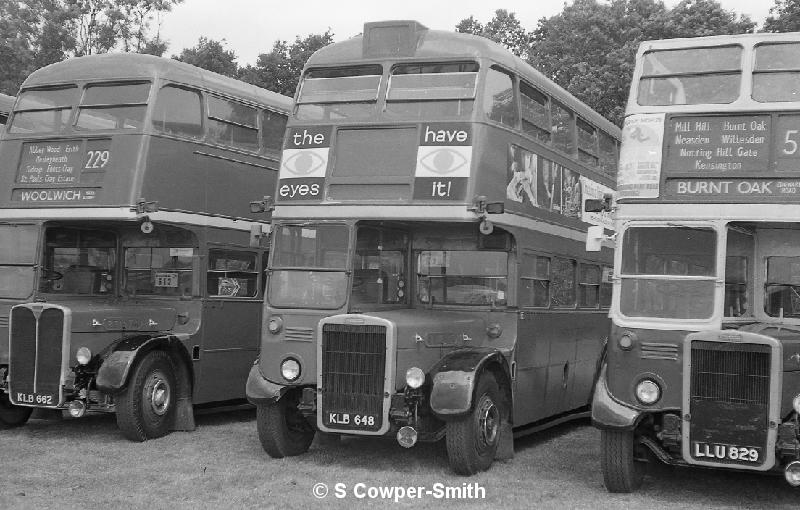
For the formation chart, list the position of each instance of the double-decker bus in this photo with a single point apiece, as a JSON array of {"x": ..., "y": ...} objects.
[
  {"x": 703, "y": 366},
  {"x": 428, "y": 276},
  {"x": 6, "y": 103},
  {"x": 130, "y": 263}
]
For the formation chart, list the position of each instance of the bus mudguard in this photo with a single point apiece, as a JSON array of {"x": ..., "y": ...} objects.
[
  {"x": 607, "y": 412},
  {"x": 454, "y": 378},
  {"x": 261, "y": 391},
  {"x": 119, "y": 358}
]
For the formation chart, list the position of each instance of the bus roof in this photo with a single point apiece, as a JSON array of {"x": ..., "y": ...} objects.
[
  {"x": 717, "y": 40},
  {"x": 417, "y": 42},
  {"x": 127, "y": 66},
  {"x": 6, "y": 103}
]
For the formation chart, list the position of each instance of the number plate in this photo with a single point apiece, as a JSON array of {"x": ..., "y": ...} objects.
[
  {"x": 352, "y": 421},
  {"x": 33, "y": 399},
  {"x": 716, "y": 452}
]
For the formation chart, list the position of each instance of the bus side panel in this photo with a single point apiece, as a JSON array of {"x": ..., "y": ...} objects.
[{"x": 197, "y": 177}]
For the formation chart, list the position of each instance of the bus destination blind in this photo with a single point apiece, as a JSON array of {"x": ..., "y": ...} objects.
[{"x": 747, "y": 157}]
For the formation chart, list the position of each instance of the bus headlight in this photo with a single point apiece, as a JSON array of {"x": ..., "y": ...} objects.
[
  {"x": 626, "y": 341},
  {"x": 648, "y": 392},
  {"x": 83, "y": 356},
  {"x": 275, "y": 325},
  {"x": 415, "y": 377},
  {"x": 290, "y": 369},
  {"x": 796, "y": 404}
]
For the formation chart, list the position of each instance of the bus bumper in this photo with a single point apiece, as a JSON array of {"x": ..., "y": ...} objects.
[
  {"x": 261, "y": 391},
  {"x": 607, "y": 412}
]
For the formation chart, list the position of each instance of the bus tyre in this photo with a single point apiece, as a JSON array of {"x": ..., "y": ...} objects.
[
  {"x": 621, "y": 471},
  {"x": 145, "y": 408},
  {"x": 10, "y": 415},
  {"x": 282, "y": 430},
  {"x": 472, "y": 440}
]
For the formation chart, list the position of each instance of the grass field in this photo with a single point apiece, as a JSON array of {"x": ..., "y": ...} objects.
[{"x": 86, "y": 463}]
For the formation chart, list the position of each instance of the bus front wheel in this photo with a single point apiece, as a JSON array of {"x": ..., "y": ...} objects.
[
  {"x": 621, "y": 471},
  {"x": 282, "y": 430},
  {"x": 12, "y": 416},
  {"x": 473, "y": 439},
  {"x": 146, "y": 407}
]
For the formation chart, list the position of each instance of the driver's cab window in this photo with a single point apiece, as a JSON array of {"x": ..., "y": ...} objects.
[
  {"x": 379, "y": 267},
  {"x": 78, "y": 261},
  {"x": 738, "y": 274},
  {"x": 161, "y": 271}
]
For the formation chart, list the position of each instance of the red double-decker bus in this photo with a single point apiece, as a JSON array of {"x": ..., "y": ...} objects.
[
  {"x": 428, "y": 276},
  {"x": 130, "y": 263}
]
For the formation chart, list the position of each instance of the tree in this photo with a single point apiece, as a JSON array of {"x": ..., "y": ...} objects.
[
  {"x": 784, "y": 17},
  {"x": 103, "y": 25},
  {"x": 504, "y": 29},
  {"x": 589, "y": 47},
  {"x": 33, "y": 33},
  {"x": 279, "y": 70},
  {"x": 211, "y": 55}
]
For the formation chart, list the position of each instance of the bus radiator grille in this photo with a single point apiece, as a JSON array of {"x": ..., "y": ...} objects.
[
  {"x": 36, "y": 353},
  {"x": 353, "y": 374},
  {"x": 729, "y": 395}
]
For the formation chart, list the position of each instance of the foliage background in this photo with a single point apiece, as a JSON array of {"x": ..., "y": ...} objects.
[{"x": 588, "y": 48}]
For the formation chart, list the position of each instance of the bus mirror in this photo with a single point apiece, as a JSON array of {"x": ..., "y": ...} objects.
[
  {"x": 597, "y": 204},
  {"x": 495, "y": 208},
  {"x": 594, "y": 238},
  {"x": 257, "y": 234},
  {"x": 261, "y": 206}
]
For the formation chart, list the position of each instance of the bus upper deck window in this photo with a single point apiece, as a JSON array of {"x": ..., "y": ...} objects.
[
  {"x": 498, "y": 100},
  {"x": 432, "y": 89},
  {"x": 178, "y": 111},
  {"x": 44, "y": 110},
  {"x": 113, "y": 106},
  {"x": 232, "y": 124},
  {"x": 776, "y": 75},
  {"x": 690, "y": 76},
  {"x": 535, "y": 112},
  {"x": 273, "y": 125},
  {"x": 339, "y": 93},
  {"x": 563, "y": 128}
]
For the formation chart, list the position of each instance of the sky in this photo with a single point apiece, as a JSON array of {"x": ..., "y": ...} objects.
[{"x": 250, "y": 27}]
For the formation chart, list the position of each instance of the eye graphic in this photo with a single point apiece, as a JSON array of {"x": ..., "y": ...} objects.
[
  {"x": 443, "y": 161},
  {"x": 304, "y": 163}
]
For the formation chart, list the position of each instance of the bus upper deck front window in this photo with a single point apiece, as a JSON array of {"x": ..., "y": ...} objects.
[
  {"x": 309, "y": 266},
  {"x": 113, "y": 106},
  {"x": 776, "y": 75},
  {"x": 17, "y": 260},
  {"x": 339, "y": 93},
  {"x": 668, "y": 272},
  {"x": 418, "y": 91},
  {"x": 44, "y": 110},
  {"x": 690, "y": 76},
  {"x": 78, "y": 262},
  {"x": 462, "y": 277}
]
